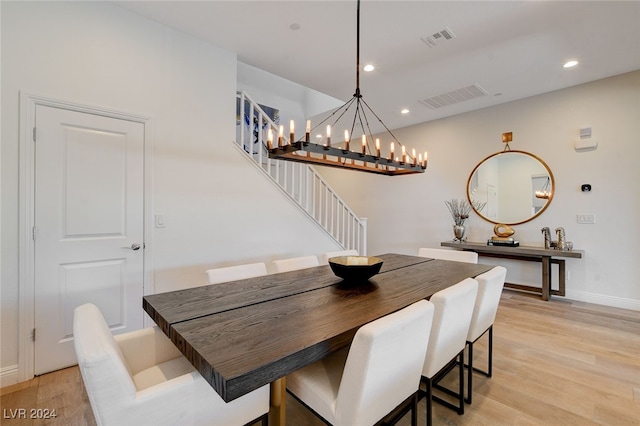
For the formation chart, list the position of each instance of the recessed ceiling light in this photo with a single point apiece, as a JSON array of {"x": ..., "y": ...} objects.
[
  {"x": 369, "y": 68},
  {"x": 404, "y": 111},
  {"x": 570, "y": 64}
]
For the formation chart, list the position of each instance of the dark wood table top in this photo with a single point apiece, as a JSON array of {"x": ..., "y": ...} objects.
[{"x": 248, "y": 333}]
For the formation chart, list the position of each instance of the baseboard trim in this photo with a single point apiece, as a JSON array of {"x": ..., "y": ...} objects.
[
  {"x": 601, "y": 299},
  {"x": 8, "y": 375}
]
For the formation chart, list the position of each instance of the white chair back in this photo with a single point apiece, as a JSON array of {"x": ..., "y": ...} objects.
[
  {"x": 328, "y": 255},
  {"x": 490, "y": 286},
  {"x": 453, "y": 310},
  {"x": 384, "y": 365},
  {"x": 140, "y": 377},
  {"x": 100, "y": 360},
  {"x": 236, "y": 272},
  {"x": 455, "y": 255},
  {"x": 295, "y": 263}
]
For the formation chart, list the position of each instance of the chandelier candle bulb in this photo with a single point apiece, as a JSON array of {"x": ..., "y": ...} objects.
[
  {"x": 327, "y": 144},
  {"x": 404, "y": 154},
  {"x": 307, "y": 132},
  {"x": 413, "y": 154},
  {"x": 346, "y": 140},
  {"x": 377, "y": 148},
  {"x": 280, "y": 136},
  {"x": 391, "y": 152},
  {"x": 364, "y": 144},
  {"x": 270, "y": 139},
  {"x": 425, "y": 159},
  {"x": 291, "y": 132}
]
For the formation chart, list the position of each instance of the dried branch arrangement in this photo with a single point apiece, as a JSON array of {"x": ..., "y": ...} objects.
[{"x": 460, "y": 209}]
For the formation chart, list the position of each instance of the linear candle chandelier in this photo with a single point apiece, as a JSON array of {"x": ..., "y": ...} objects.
[{"x": 342, "y": 156}]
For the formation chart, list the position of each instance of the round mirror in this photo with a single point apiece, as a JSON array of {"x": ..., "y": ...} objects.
[{"x": 515, "y": 186}]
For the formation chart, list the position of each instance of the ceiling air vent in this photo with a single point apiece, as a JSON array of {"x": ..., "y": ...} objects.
[
  {"x": 455, "y": 96},
  {"x": 434, "y": 39}
]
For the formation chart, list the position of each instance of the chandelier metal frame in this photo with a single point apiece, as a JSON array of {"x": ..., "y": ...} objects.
[{"x": 367, "y": 159}]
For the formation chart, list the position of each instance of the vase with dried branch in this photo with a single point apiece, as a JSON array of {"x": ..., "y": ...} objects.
[{"x": 460, "y": 210}]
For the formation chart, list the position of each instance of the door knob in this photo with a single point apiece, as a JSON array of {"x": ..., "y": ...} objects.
[{"x": 135, "y": 246}]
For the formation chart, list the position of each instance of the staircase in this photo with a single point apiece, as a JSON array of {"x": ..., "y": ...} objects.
[{"x": 300, "y": 182}]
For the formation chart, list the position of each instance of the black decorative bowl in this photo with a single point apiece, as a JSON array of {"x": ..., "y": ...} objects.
[{"x": 355, "y": 268}]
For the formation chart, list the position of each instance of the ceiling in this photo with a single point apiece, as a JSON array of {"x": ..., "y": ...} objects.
[{"x": 510, "y": 49}]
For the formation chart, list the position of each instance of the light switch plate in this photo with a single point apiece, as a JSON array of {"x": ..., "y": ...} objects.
[
  {"x": 586, "y": 219},
  {"x": 160, "y": 221}
]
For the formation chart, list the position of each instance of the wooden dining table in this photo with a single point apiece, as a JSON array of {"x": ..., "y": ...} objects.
[{"x": 244, "y": 334}]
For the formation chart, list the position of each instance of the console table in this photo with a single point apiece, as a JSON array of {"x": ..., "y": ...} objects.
[{"x": 534, "y": 254}]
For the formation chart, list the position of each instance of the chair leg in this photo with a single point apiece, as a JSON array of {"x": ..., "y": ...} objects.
[
  {"x": 471, "y": 368},
  {"x": 461, "y": 385},
  {"x": 414, "y": 410},
  {"x": 469, "y": 373},
  {"x": 428, "y": 397},
  {"x": 490, "y": 369}
]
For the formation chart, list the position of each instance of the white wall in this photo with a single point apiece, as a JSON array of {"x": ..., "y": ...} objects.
[
  {"x": 218, "y": 207},
  {"x": 408, "y": 212},
  {"x": 294, "y": 101}
]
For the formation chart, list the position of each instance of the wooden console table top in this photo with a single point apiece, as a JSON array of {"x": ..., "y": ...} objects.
[{"x": 516, "y": 251}]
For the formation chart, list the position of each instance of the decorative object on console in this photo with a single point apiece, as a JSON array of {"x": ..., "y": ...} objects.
[
  {"x": 460, "y": 210},
  {"x": 547, "y": 237},
  {"x": 325, "y": 154},
  {"x": 563, "y": 244},
  {"x": 504, "y": 243},
  {"x": 504, "y": 236},
  {"x": 502, "y": 230}
]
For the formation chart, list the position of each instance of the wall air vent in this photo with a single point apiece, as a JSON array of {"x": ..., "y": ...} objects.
[
  {"x": 434, "y": 39},
  {"x": 454, "y": 96}
]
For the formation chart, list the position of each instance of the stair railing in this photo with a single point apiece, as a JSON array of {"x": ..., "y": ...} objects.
[{"x": 301, "y": 182}]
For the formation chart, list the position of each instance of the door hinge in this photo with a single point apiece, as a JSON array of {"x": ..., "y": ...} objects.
[
  {"x": 33, "y": 335},
  {"x": 33, "y": 233},
  {"x": 34, "y": 134}
]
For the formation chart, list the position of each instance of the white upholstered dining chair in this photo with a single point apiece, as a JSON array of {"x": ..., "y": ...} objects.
[
  {"x": 451, "y": 319},
  {"x": 235, "y": 272},
  {"x": 140, "y": 378},
  {"x": 455, "y": 255},
  {"x": 295, "y": 263},
  {"x": 490, "y": 285},
  {"x": 360, "y": 385},
  {"x": 328, "y": 255}
]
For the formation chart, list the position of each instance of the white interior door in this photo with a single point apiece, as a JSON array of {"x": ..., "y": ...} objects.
[{"x": 89, "y": 198}]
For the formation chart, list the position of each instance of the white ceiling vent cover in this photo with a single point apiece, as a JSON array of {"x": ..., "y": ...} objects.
[
  {"x": 434, "y": 39},
  {"x": 455, "y": 96}
]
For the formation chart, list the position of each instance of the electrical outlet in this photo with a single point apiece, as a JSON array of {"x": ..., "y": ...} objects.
[{"x": 586, "y": 218}]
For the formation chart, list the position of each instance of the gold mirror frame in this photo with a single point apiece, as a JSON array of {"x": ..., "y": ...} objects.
[{"x": 533, "y": 216}]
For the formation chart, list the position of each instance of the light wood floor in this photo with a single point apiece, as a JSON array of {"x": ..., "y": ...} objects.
[{"x": 555, "y": 363}]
